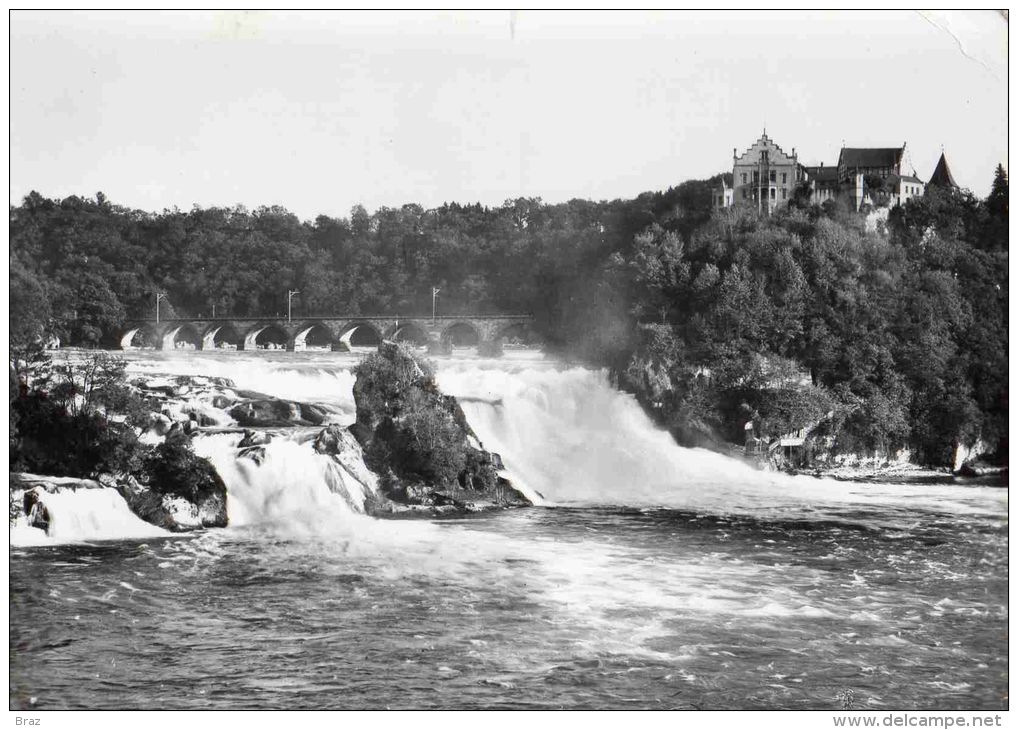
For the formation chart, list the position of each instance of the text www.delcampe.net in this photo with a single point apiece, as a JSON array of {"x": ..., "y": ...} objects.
[{"x": 909, "y": 720}]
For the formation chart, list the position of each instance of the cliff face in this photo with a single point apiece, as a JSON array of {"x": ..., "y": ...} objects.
[{"x": 418, "y": 440}]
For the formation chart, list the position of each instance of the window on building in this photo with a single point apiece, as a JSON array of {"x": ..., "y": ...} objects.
[
  {"x": 774, "y": 193},
  {"x": 784, "y": 194},
  {"x": 774, "y": 176},
  {"x": 756, "y": 176},
  {"x": 743, "y": 178},
  {"x": 784, "y": 178},
  {"x": 745, "y": 192}
]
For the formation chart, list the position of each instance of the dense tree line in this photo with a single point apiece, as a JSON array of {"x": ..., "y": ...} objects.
[
  {"x": 91, "y": 263},
  {"x": 902, "y": 330}
]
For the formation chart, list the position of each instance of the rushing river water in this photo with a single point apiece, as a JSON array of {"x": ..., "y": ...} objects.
[{"x": 651, "y": 577}]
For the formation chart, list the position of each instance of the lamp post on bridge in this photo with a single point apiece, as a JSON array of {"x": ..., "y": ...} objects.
[
  {"x": 434, "y": 296},
  {"x": 290, "y": 293},
  {"x": 159, "y": 298}
]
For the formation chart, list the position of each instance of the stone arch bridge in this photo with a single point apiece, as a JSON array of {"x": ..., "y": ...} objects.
[{"x": 487, "y": 332}]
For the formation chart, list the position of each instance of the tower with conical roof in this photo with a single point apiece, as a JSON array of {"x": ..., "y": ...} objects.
[{"x": 942, "y": 176}]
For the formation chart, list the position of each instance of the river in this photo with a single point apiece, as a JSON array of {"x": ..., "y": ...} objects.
[{"x": 651, "y": 576}]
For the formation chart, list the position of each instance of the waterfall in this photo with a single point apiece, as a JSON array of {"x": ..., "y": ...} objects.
[
  {"x": 82, "y": 514},
  {"x": 290, "y": 485},
  {"x": 566, "y": 437},
  {"x": 567, "y": 434}
]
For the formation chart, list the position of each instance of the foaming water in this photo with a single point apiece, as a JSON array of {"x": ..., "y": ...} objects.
[
  {"x": 85, "y": 514},
  {"x": 658, "y": 577},
  {"x": 288, "y": 484},
  {"x": 569, "y": 435}
]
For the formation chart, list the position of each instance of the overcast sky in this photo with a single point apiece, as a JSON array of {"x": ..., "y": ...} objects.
[{"x": 319, "y": 112}]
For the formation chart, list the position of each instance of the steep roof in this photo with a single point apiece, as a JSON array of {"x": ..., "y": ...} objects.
[
  {"x": 870, "y": 156},
  {"x": 822, "y": 174},
  {"x": 942, "y": 175}
]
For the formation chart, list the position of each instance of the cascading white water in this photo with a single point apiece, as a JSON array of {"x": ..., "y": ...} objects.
[
  {"x": 290, "y": 484},
  {"x": 84, "y": 514},
  {"x": 564, "y": 433},
  {"x": 575, "y": 439}
]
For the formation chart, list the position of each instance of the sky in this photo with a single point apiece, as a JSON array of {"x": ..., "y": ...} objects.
[{"x": 319, "y": 112}]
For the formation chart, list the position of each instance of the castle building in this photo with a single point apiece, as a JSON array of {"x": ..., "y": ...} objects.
[
  {"x": 765, "y": 177},
  {"x": 874, "y": 176},
  {"x": 824, "y": 182},
  {"x": 875, "y": 161}
]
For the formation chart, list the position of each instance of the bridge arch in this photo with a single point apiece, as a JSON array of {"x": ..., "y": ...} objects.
[
  {"x": 409, "y": 332},
  {"x": 461, "y": 333},
  {"x": 313, "y": 334},
  {"x": 360, "y": 334},
  {"x": 222, "y": 336},
  {"x": 516, "y": 333},
  {"x": 138, "y": 337},
  {"x": 267, "y": 335},
  {"x": 181, "y": 334}
]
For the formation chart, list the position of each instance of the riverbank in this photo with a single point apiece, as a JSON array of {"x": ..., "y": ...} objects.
[{"x": 780, "y": 408}]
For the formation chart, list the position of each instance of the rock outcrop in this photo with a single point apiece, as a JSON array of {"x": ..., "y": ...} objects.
[
  {"x": 184, "y": 491},
  {"x": 252, "y": 446},
  {"x": 276, "y": 412},
  {"x": 418, "y": 440},
  {"x": 171, "y": 511}
]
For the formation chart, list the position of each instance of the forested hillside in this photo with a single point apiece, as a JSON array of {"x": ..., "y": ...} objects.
[{"x": 902, "y": 331}]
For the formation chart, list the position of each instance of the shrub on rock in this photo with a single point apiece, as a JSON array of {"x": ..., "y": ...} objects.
[
  {"x": 49, "y": 439},
  {"x": 175, "y": 472}
]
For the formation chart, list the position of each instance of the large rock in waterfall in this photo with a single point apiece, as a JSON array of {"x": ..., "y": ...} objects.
[
  {"x": 183, "y": 491},
  {"x": 418, "y": 440}
]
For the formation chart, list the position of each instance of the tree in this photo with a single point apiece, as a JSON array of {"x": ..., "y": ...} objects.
[
  {"x": 996, "y": 233},
  {"x": 996, "y": 202}
]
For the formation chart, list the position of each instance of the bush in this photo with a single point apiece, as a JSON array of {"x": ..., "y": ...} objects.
[
  {"x": 173, "y": 469},
  {"x": 386, "y": 379},
  {"x": 405, "y": 423},
  {"x": 49, "y": 440},
  {"x": 430, "y": 446}
]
